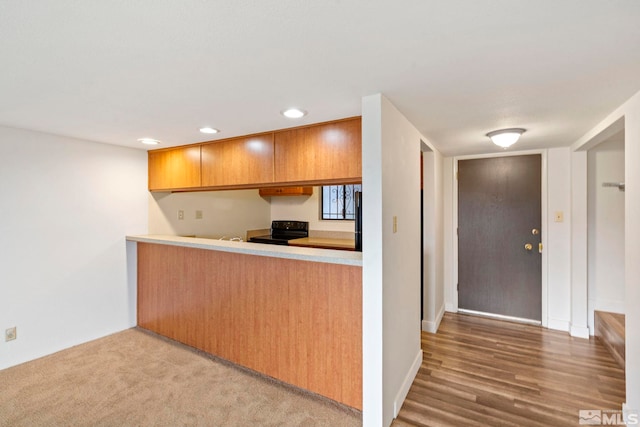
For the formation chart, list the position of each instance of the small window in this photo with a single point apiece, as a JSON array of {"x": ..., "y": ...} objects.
[{"x": 337, "y": 201}]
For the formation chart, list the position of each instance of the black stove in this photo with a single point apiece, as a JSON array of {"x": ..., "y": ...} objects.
[{"x": 282, "y": 232}]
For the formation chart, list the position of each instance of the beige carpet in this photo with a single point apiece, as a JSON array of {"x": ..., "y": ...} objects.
[{"x": 134, "y": 378}]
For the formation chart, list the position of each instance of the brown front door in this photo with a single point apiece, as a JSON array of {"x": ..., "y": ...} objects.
[{"x": 499, "y": 212}]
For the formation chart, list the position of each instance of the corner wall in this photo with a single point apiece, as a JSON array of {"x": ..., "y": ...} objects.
[
  {"x": 66, "y": 208},
  {"x": 391, "y": 260}
]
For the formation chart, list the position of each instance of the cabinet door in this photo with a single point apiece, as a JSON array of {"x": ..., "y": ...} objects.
[
  {"x": 238, "y": 162},
  {"x": 175, "y": 168},
  {"x": 330, "y": 152}
]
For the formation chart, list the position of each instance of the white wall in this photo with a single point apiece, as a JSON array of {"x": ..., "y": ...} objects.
[
  {"x": 605, "y": 213},
  {"x": 558, "y": 242},
  {"x": 632, "y": 250},
  {"x": 66, "y": 208},
  {"x": 628, "y": 115},
  {"x": 433, "y": 248},
  {"x": 224, "y": 213},
  {"x": 307, "y": 208},
  {"x": 391, "y": 261},
  {"x": 373, "y": 410}
]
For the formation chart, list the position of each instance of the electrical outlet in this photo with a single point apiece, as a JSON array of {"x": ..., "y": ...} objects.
[
  {"x": 559, "y": 216},
  {"x": 180, "y": 214},
  {"x": 198, "y": 214},
  {"x": 11, "y": 334}
]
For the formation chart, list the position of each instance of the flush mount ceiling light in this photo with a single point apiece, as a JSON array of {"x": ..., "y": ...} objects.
[
  {"x": 149, "y": 141},
  {"x": 208, "y": 130},
  {"x": 505, "y": 137},
  {"x": 293, "y": 113}
]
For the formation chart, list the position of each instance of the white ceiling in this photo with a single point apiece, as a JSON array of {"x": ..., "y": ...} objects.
[{"x": 115, "y": 71}]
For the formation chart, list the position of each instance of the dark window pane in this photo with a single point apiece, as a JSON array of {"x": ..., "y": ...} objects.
[{"x": 337, "y": 201}]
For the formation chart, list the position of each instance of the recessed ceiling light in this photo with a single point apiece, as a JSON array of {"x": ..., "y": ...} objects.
[
  {"x": 505, "y": 137},
  {"x": 209, "y": 130},
  {"x": 149, "y": 141},
  {"x": 293, "y": 113}
]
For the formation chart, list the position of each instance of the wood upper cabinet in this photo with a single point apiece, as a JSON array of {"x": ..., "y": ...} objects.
[
  {"x": 174, "y": 168},
  {"x": 330, "y": 152},
  {"x": 319, "y": 154},
  {"x": 246, "y": 161}
]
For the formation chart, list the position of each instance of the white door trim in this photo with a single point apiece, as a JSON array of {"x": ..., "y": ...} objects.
[{"x": 543, "y": 213}]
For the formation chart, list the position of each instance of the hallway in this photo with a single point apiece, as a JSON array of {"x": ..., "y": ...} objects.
[{"x": 484, "y": 372}]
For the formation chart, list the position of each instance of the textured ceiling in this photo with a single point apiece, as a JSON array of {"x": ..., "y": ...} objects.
[{"x": 116, "y": 71}]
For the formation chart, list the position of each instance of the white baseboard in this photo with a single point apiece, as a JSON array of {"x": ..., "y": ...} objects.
[
  {"x": 558, "y": 325},
  {"x": 579, "y": 331},
  {"x": 433, "y": 325},
  {"x": 406, "y": 384}
]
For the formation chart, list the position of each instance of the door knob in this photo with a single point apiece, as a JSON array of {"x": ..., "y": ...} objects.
[{"x": 528, "y": 246}]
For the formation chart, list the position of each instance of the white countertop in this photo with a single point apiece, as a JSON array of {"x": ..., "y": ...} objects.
[{"x": 303, "y": 254}]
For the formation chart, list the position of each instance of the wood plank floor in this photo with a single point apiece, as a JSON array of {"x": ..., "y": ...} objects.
[
  {"x": 484, "y": 372},
  {"x": 609, "y": 329}
]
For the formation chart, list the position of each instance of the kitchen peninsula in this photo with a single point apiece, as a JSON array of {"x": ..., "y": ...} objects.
[{"x": 291, "y": 313}]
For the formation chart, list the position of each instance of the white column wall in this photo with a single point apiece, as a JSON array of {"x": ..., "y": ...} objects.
[
  {"x": 372, "y": 263},
  {"x": 558, "y": 244},
  {"x": 391, "y": 259},
  {"x": 632, "y": 250}
]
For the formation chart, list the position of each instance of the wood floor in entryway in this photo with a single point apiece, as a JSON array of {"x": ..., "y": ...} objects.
[{"x": 484, "y": 372}]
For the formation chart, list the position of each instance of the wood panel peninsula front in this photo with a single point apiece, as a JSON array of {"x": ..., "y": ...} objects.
[{"x": 294, "y": 314}]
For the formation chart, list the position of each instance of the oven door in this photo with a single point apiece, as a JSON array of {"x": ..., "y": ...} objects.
[{"x": 269, "y": 240}]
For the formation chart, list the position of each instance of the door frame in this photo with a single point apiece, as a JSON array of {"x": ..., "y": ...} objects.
[{"x": 543, "y": 214}]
